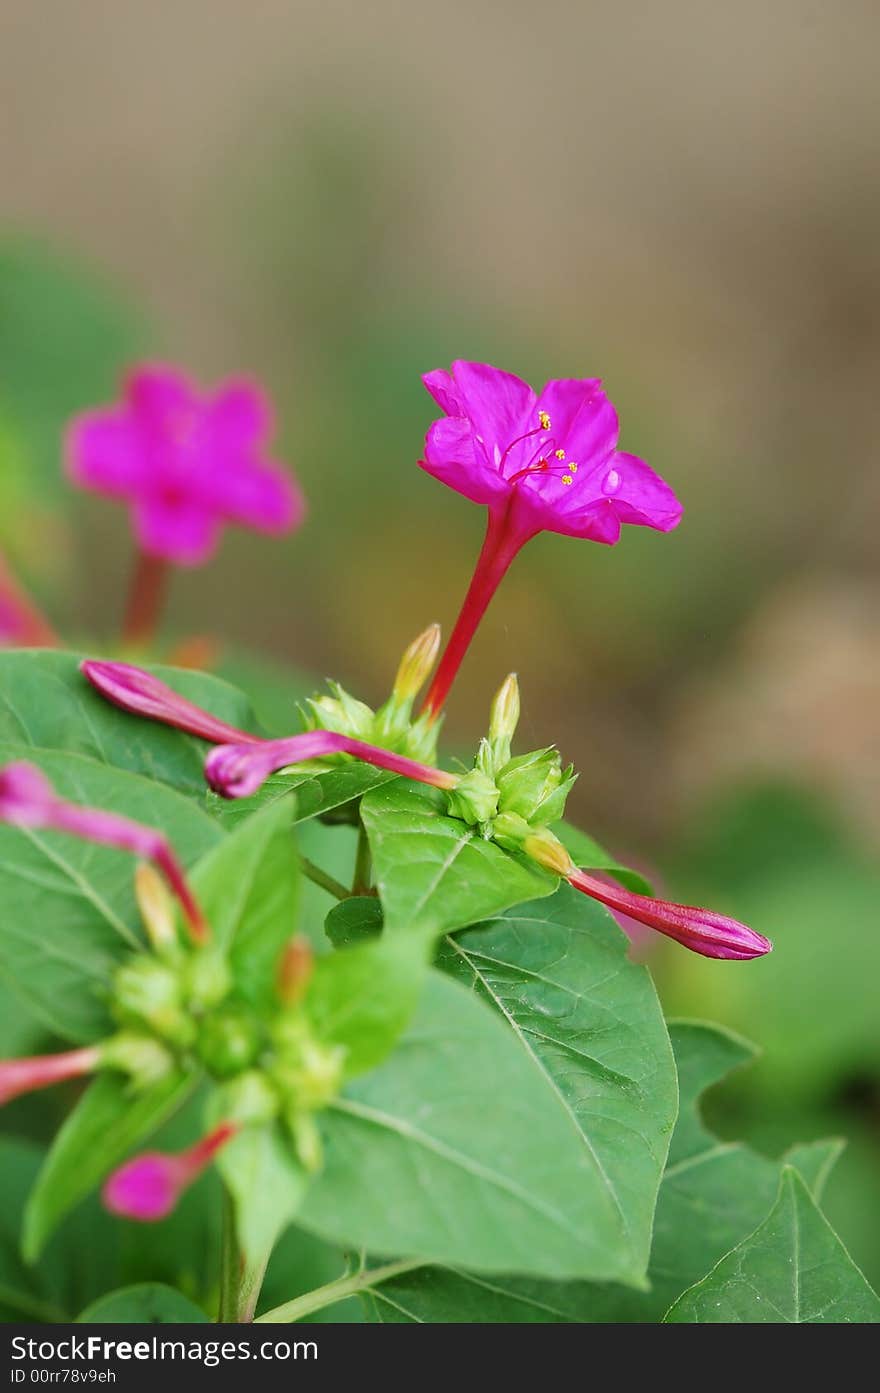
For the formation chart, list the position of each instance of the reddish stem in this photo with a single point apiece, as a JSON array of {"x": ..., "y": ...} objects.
[
  {"x": 499, "y": 548},
  {"x": 31, "y": 628},
  {"x": 146, "y": 600}
]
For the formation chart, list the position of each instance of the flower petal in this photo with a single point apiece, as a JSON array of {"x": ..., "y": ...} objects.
[
  {"x": 263, "y": 496},
  {"x": 182, "y": 532},
  {"x": 641, "y": 496},
  {"x": 450, "y": 456},
  {"x": 240, "y": 415},
  {"x": 102, "y": 451},
  {"x": 443, "y": 390},
  {"x": 499, "y": 405},
  {"x": 160, "y": 395},
  {"x": 582, "y": 419}
]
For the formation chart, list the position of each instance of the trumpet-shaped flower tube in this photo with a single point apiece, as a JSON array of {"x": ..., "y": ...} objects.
[
  {"x": 139, "y": 692},
  {"x": 19, "y": 1076},
  {"x": 27, "y": 799},
  {"x": 148, "y": 1187}
]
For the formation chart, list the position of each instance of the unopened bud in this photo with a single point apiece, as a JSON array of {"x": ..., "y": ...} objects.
[
  {"x": 417, "y": 663},
  {"x": 504, "y": 716},
  {"x": 156, "y": 907},
  {"x": 295, "y": 970},
  {"x": 535, "y": 786},
  {"x": 249, "y": 1100},
  {"x": 474, "y": 798},
  {"x": 229, "y": 1041},
  {"x": 545, "y": 848},
  {"x": 148, "y": 991},
  {"x": 142, "y": 1057},
  {"x": 306, "y": 1141},
  {"x": 209, "y": 977},
  {"x": 341, "y": 713}
]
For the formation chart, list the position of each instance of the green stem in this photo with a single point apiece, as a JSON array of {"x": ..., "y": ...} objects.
[
  {"x": 230, "y": 1264},
  {"x": 337, "y": 1291},
  {"x": 32, "y": 1306},
  {"x": 363, "y": 865},
  {"x": 240, "y": 1280},
  {"x": 327, "y": 882}
]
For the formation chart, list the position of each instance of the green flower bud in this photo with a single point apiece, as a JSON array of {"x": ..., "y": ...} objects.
[
  {"x": 503, "y": 720},
  {"x": 142, "y": 1057},
  {"x": 308, "y": 1071},
  {"x": 510, "y": 830},
  {"x": 341, "y": 713},
  {"x": 229, "y": 1041},
  {"x": 474, "y": 798},
  {"x": 535, "y": 786},
  {"x": 306, "y": 1140},
  {"x": 420, "y": 740},
  {"x": 416, "y": 664},
  {"x": 146, "y": 991},
  {"x": 208, "y": 977},
  {"x": 249, "y": 1099}
]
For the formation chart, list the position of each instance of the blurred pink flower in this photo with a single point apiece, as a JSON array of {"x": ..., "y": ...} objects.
[
  {"x": 22, "y": 624},
  {"x": 539, "y": 463},
  {"x": 148, "y": 1187},
  {"x": 187, "y": 461},
  {"x": 27, "y": 799}
]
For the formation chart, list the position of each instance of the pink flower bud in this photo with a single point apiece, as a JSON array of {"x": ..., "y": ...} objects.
[{"x": 148, "y": 1187}]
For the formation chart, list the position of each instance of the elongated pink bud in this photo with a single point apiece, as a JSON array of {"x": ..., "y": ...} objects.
[
  {"x": 27, "y": 799},
  {"x": 236, "y": 771},
  {"x": 702, "y": 930},
  {"x": 19, "y": 1076},
  {"x": 144, "y": 695},
  {"x": 148, "y": 1187}
]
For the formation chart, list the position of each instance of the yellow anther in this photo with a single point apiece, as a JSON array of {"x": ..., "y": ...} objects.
[
  {"x": 560, "y": 454},
  {"x": 572, "y": 466},
  {"x": 544, "y": 419},
  {"x": 567, "y": 479}
]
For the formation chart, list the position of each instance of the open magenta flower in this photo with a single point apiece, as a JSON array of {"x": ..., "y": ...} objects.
[
  {"x": 187, "y": 461},
  {"x": 148, "y": 1187},
  {"x": 540, "y": 463},
  {"x": 19, "y": 1076},
  {"x": 27, "y": 799}
]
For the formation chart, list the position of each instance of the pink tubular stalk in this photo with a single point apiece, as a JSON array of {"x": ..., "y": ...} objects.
[
  {"x": 148, "y": 1187},
  {"x": 22, "y": 624},
  {"x": 701, "y": 930},
  {"x": 142, "y": 694},
  {"x": 19, "y": 1076},
  {"x": 499, "y": 548},
  {"x": 27, "y": 799},
  {"x": 236, "y": 771}
]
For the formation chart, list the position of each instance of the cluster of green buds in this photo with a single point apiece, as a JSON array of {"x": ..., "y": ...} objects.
[
  {"x": 504, "y": 793},
  {"x": 392, "y": 726},
  {"x": 178, "y": 1009}
]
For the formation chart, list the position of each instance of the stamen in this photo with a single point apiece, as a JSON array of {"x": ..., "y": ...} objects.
[
  {"x": 544, "y": 419},
  {"x": 560, "y": 454},
  {"x": 567, "y": 479},
  {"x": 572, "y": 466}
]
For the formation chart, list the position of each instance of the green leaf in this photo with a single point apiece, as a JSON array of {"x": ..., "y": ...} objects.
[
  {"x": 103, "y": 1127},
  {"x": 712, "y": 1194},
  {"x": 456, "y": 1148},
  {"x": 792, "y": 1270},
  {"x": 363, "y": 998},
  {"x": 433, "y": 872},
  {"x": 267, "y": 1184},
  {"x": 70, "y": 914},
  {"x": 589, "y": 1024},
  {"x": 46, "y": 703},
  {"x": 150, "y": 1303},
  {"x": 355, "y": 920},
  {"x": 588, "y": 854},
  {"x": 248, "y": 887},
  {"x": 321, "y": 790}
]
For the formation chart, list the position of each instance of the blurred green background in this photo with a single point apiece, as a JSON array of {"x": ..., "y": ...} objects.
[{"x": 679, "y": 198}]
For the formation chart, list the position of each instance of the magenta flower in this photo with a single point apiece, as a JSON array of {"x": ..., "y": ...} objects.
[
  {"x": 186, "y": 461},
  {"x": 236, "y": 771},
  {"x": 19, "y": 1076},
  {"x": 547, "y": 463},
  {"x": 149, "y": 1187},
  {"x": 27, "y": 799},
  {"x": 144, "y": 695}
]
